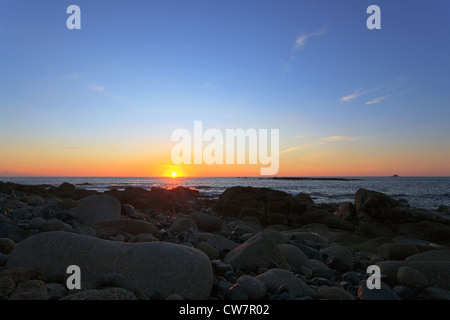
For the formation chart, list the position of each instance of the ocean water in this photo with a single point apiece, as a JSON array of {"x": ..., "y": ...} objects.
[{"x": 421, "y": 192}]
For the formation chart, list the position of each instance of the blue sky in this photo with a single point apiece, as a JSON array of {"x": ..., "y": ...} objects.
[{"x": 138, "y": 69}]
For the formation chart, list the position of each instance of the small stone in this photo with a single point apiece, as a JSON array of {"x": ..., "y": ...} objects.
[
  {"x": 6, "y": 246},
  {"x": 37, "y": 222},
  {"x": 319, "y": 269},
  {"x": 342, "y": 253},
  {"x": 352, "y": 276},
  {"x": 404, "y": 292},
  {"x": 55, "y": 291},
  {"x": 220, "y": 267},
  {"x": 254, "y": 288}
]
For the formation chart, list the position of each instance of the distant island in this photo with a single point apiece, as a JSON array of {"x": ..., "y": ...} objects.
[
  {"x": 396, "y": 176},
  {"x": 306, "y": 178}
]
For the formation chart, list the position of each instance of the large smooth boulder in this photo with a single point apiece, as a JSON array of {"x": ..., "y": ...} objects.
[
  {"x": 154, "y": 267},
  {"x": 97, "y": 208}
]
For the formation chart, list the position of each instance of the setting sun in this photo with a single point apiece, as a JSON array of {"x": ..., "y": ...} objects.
[{"x": 174, "y": 174}]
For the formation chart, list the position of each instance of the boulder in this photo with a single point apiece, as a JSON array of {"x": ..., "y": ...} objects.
[
  {"x": 222, "y": 243},
  {"x": 258, "y": 251},
  {"x": 267, "y": 205},
  {"x": 410, "y": 277},
  {"x": 206, "y": 222},
  {"x": 254, "y": 288},
  {"x": 347, "y": 212},
  {"x": 273, "y": 279},
  {"x": 396, "y": 251},
  {"x": 342, "y": 253},
  {"x": 55, "y": 291},
  {"x": 436, "y": 272},
  {"x": 97, "y": 208},
  {"x": 304, "y": 199},
  {"x": 372, "y": 205},
  {"x": 319, "y": 269},
  {"x": 296, "y": 258},
  {"x": 154, "y": 267}
]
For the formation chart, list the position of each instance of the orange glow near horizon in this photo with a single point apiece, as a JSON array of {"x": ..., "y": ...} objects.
[{"x": 320, "y": 162}]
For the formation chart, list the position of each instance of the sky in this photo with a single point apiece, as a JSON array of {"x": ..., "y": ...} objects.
[{"x": 105, "y": 99}]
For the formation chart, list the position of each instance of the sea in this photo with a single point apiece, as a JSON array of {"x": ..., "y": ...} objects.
[{"x": 420, "y": 192}]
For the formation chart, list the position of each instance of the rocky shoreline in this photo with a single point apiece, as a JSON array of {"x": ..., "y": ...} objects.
[{"x": 250, "y": 244}]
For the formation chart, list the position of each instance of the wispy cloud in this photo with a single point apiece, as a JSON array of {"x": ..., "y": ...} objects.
[
  {"x": 322, "y": 141},
  {"x": 352, "y": 96},
  {"x": 301, "y": 39},
  {"x": 291, "y": 149},
  {"x": 340, "y": 138},
  {"x": 386, "y": 88},
  {"x": 95, "y": 87},
  {"x": 376, "y": 100}
]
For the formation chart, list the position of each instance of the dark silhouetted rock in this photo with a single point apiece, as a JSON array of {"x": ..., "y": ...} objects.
[
  {"x": 267, "y": 205},
  {"x": 97, "y": 208}
]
